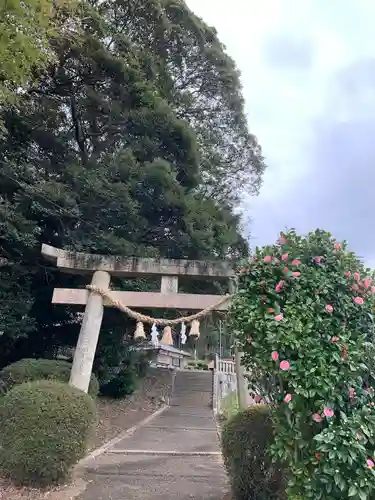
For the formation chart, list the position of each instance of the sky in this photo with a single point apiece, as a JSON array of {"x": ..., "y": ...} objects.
[{"x": 308, "y": 75}]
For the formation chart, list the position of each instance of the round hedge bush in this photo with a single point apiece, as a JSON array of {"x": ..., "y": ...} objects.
[
  {"x": 29, "y": 370},
  {"x": 44, "y": 431},
  {"x": 304, "y": 313},
  {"x": 245, "y": 442}
]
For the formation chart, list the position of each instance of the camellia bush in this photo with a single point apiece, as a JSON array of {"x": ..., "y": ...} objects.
[{"x": 304, "y": 316}]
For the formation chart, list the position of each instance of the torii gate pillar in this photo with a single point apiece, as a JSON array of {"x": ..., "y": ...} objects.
[{"x": 89, "y": 334}]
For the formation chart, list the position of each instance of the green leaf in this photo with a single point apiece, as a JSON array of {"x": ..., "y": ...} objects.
[{"x": 352, "y": 491}]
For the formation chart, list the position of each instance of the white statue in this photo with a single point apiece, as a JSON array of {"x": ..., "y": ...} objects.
[
  {"x": 154, "y": 335},
  {"x": 183, "y": 334}
]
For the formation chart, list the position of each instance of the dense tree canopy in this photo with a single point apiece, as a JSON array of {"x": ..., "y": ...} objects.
[
  {"x": 133, "y": 143},
  {"x": 25, "y": 31},
  {"x": 193, "y": 72}
]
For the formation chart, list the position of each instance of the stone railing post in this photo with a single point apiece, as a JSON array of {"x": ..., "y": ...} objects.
[
  {"x": 89, "y": 334},
  {"x": 241, "y": 382}
]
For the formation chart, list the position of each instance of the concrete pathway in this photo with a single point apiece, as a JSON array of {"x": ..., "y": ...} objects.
[{"x": 175, "y": 455}]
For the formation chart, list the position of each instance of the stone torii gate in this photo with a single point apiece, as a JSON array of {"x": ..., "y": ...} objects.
[{"x": 101, "y": 268}]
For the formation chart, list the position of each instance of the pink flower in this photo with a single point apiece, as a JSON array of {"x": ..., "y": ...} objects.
[
  {"x": 351, "y": 392},
  {"x": 288, "y": 398},
  {"x": 296, "y": 262},
  {"x": 296, "y": 274},
  {"x": 280, "y": 286},
  {"x": 366, "y": 283},
  {"x": 372, "y": 289},
  {"x": 317, "y": 418},
  {"x": 318, "y": 260},
  {"x": 358, "y": 300},
  {"x": 282, "y": 240},
  {"x": 284, "y": 257},
  {"x": 275, "y": 355},
  {"x": 329, "y": 308},
  {"x": 335, "y": 340},
  {"x": 267, "y": 259},
  {"x": 257, "y": 398},
  {"x": 284, "y": 366},
  {"x": 348, "y": 274},
  {"x": 328, "y": 412},
  {"x": 355, "y": 287},
  {"x": 356, "y": 276},
  {"x": 279, "y": 317},
  {"x": 270, "y": 310},
  {"x": 285, "y": 270},
  {"x": 276, "y": 261},
  {"x": 370, "y": 463},
  {"x": 337, "y": 246}
]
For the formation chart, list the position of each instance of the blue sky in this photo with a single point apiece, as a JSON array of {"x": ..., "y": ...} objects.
[{"x": 308, "y": 73}]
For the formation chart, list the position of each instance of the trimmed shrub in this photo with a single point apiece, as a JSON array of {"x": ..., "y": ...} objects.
[
  {"x": 29, "y": 370},
  {"x": 202, "y": 365},
  {"x": 197, "y": 365},
  {"x": 122, "y": 384},
  {"x": 245, "y": 441},
  {"x": 44, "y": 431}
]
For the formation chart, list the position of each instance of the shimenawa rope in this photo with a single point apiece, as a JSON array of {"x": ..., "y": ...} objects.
[{"x": 148, "y": 319}]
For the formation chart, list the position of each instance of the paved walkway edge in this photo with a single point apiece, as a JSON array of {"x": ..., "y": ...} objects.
[
  {"x": 109, "y": 444},
  {"x": 167, "y": 453}
]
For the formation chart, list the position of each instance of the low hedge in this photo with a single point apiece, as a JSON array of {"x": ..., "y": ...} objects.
[
  {"x": 197, "y": 365},
  {"x": 29, "y": 370},
  {"x": 245, "y": 441},
  {"x": 44, "y": 431}
]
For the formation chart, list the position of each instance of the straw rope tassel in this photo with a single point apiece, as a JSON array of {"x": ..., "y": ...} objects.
[
  {"x": 194, "y": 329},
  {"x": 139, "y": 331},
  {"x": 167, "y": 336}
]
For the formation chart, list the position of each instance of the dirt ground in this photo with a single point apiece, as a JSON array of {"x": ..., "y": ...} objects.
[{"x": 114, "y": 417}]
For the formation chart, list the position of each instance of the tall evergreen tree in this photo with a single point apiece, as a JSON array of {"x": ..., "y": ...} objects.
[
  {"x": 107, "y": 153},
  {"x": 200, "y": 81},
  {"x": 25, "y": 30}
]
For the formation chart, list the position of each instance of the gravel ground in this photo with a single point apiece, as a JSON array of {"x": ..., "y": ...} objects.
[{"x": 114, "y": 417}]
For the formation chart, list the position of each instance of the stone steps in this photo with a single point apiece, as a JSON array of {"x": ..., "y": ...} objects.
[{"x": 192, "y": 389}]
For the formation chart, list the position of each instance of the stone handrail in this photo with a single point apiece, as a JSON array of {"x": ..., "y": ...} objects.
[{"x": 226, "y": 366}]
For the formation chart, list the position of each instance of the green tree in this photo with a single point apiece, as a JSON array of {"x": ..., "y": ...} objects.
[
  {"x": 98, "y": 158},
  {"x": 25, "y": 32},
  {"x": 196, "y": 76}
]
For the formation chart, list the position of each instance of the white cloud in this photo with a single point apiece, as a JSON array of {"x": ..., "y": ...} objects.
[{"x": 297, "y": 107}]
